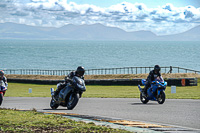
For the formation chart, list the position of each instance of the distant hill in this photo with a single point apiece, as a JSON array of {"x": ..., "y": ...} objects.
[
  {"x": 190, "y": 35},
  {"x": 89, "y": 32}
]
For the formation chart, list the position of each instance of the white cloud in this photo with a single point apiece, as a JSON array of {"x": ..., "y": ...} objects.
[{"x": 166, "y": 19}]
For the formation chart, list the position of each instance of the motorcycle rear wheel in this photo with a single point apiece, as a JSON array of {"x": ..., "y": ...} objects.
[
  {"x": 72, "y": 100},
  {"x": 143, "y": 99},
  {"x": 53, "y": 104},
  {"x": 1, "y": 98},
  {"x": 161, "y": 98}
]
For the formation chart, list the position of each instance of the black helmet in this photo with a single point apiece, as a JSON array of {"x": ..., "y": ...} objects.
[
  {"x": 156, "y": 68},
  {"x": 80, "y": 71},
  {"x": 1, "y": 74}
]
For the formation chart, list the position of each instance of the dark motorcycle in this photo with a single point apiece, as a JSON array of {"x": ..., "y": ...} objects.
[
  {"x": 68, "y": 96},
  {"x": 3, "y": 89}
]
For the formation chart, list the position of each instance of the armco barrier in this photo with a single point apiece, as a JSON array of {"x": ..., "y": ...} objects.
[{"x": 170, "y": 81}]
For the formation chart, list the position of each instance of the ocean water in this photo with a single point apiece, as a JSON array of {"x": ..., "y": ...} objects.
[{"x": 67, "y": 55}]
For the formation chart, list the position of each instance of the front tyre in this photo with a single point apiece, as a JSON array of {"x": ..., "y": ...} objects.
[
  {"x": 53, "y": 104},
  {"x": 143, "y": 99},
  {"x": 1, "y": 98},
  {"x": 161, "y": 98},
  {"x": 72, "y": 100}
]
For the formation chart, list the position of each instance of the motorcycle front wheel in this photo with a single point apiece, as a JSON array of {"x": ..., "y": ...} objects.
[
  {"x": 143, "y": 99},
  {"x": 161, "y": 98},
  {"x": 53, "y": 104},
  {"x": 72, "y": 100},
  {"x": 1, "y": 98}
]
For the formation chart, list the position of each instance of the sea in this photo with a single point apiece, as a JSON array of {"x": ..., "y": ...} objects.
[{"x": 68, "y": 55}]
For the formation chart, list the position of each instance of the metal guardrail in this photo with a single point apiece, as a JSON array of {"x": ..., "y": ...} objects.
[
  {"x": 36, "y": 72},
  {"x": 103, "y": 71}
]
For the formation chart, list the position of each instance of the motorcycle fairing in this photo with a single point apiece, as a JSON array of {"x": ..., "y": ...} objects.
[
  {"x": 144, "y": 81},
  {"x": 64, "y": 92},
  {"x": 151, "y": 93},
  {"x": 80, "y": 84},
  {"x": 152, "y": 90}
]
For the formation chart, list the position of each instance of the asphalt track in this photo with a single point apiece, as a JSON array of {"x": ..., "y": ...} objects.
[{"x": 177, "y": 112}]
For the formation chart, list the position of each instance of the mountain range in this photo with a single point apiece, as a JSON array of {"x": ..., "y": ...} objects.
[{"x": 89, "y": 32}]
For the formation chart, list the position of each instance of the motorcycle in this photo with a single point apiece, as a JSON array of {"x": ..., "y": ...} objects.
[
  {"x": 155, "y": 93},
  {"x": 3, "y": 89},
  {"x": 69, "y": 95}
]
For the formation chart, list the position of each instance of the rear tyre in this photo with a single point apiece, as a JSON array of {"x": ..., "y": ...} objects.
[
  {"x": 72, "y": 100},
  {"x": 53, "y": 104},
  {"x": 1, "y": 98},
  {"x": 143, "y": 99},
  {"x": 161, "y": 98}
]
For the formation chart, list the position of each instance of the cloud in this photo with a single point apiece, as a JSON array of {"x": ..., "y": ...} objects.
[{"x": 166, "y": 19}]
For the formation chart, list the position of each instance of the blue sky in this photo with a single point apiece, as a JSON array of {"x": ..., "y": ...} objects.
[{"x": 162, "y": 17}]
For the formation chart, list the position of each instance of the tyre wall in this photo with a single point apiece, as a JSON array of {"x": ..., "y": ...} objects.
[{"x": 170, "y": 81}]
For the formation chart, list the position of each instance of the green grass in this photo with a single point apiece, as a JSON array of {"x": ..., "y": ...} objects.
[
  {"x": 192, "y": 92},
  {"x": 32, "y": 121},
  {"x": 22, "y": 90}
]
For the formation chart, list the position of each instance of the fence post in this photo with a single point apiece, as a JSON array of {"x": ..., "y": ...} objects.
[{"x": 136, "y": 70}]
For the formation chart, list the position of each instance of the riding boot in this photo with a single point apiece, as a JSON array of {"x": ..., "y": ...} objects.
[{"x": 59, "y": 88}]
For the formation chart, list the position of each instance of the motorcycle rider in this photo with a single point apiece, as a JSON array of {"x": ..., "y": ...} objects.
[
  {"x": 153, "y": 75},
  {"x": 68, "y": 79},
  {"x": 2, "y": 77}
]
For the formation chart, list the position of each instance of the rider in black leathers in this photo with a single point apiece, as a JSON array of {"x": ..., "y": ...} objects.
[
  {"x": 151, "y": 77},
  {"x": 68, "y": 79}
]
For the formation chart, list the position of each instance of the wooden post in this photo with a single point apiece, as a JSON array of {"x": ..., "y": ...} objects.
[{"x": 136, "y": 70}]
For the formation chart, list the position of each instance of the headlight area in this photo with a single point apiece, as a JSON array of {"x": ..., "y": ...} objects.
[{"x": 79, "y": 85}]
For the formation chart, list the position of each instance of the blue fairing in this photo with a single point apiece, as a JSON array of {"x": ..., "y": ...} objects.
[
  {"x": 144, "y": 81},
  {"x": 156, "y": 87},
  {"x": 150, "y": 94}
]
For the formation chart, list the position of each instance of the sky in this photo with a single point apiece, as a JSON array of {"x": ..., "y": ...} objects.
[{"x": 162, "y": 17}]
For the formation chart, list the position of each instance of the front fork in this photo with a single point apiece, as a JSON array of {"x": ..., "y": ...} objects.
[
  {"x": 52, "y": 94},
  {"x": 159, "y": 93},
  {"x": 140, "y": 88}
]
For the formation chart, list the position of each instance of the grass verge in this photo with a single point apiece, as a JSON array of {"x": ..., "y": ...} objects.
[
  {"x": 22, "y": 90},
  {"x": 32, "y": 121}
]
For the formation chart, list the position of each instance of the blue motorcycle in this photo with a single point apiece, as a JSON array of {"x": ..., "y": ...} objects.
[{"x": 155, "y": 93}]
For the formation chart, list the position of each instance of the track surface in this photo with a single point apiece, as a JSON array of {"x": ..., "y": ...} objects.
[{"x": 178, "y": 112}]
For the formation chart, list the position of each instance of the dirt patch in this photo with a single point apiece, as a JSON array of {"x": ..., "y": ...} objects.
[{"x": 111, "y": 76}]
